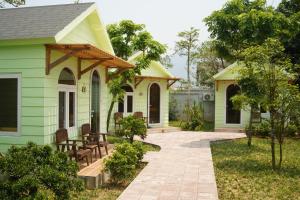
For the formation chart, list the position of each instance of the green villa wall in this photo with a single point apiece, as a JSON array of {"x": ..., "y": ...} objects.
[
  {"x": 140, "y": 101},
  {"x": 28, "y": 61}
]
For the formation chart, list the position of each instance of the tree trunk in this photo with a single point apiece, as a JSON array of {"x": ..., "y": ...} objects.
[
  {"x": 273, "y": 139},
  {"x": 249, "y": 134},
  {"x": 280, "y": 154},
  {"x": 189, "y": 78},
  {"x": 109, "y": 114}
]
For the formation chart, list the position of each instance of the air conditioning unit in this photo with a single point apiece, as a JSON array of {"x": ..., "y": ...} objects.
[{"x": 208, "y": 97}]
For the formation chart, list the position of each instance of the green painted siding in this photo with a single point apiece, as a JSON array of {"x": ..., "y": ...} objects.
[
  {"x": 140, "y": 101},
  {"x": 220, "y": 108},
  {"x": 28, "y": 61}
]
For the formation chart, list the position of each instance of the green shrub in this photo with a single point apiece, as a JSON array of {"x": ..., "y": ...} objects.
[
  {"x": 132, "y": 126},
  {"x": 140, "y": 150},
  {"x": 291, "y": 130},
  {"x": 36, "y": 172},
  {"x": 194, "y": 118},
  {"x": 122, "y": 163},
  {"x": 262, "y": 129}
]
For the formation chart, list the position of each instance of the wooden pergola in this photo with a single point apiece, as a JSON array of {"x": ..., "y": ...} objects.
[
  {"x": 85, "y": 52},
  {"x": 170, "y": 80}
]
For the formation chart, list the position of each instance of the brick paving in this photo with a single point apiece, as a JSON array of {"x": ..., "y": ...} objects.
[{"x": 182, "y": 170}]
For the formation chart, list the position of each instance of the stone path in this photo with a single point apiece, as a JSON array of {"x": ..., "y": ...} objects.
[{"x": 183, "y": 169}]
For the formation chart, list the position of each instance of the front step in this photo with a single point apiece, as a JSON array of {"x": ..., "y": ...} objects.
[
  {"x": 230, "y": 130},
  {"x": 163, "y": 130}
]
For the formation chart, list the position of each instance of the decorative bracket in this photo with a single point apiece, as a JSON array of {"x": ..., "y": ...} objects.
[
  {"x": 137, "y": 81},
  {"x": 50, "y": 66},
  {"x": 170, "y": 83}
]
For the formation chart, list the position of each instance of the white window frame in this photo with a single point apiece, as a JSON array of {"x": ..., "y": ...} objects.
[
  {"x": 68, "y": 89},
  {"x": 125, "y": 103},
  {"x": 19, "y": 80}
]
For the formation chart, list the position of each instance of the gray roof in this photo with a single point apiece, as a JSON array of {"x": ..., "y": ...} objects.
[{"x": 38, "y": 22}]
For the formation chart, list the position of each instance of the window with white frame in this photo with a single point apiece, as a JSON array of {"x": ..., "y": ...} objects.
[
  {"x": 126, "y": 104},
  {"x": 66, "y": 99},
  {"x": 10, "y": 104}
]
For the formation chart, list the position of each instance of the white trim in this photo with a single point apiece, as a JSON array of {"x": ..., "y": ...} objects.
[
  {"x": 160, "y": 105},
  {"x": 125, "y": 112},
  {"x": 19, "y": 96},
  {"x": 91, "y": 96},
  {"x": 225, "y": 116}
]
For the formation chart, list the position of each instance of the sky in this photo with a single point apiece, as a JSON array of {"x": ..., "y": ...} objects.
[{"x": 163, "y": 18}]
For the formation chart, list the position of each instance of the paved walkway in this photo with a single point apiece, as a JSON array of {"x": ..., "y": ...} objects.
[{"x": 183, "y": 169}]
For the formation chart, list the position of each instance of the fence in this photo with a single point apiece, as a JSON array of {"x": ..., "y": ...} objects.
[{"x": 204, "y": 96}]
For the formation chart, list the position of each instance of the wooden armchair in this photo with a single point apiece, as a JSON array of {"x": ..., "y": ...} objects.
[
  {"x": 64, "y": 144},
  {"x": 140, "y": 115},
  {"x": 95, "y": 138},
  {"x": 87, "y": 144},
  {"x": 118, "y": 116}
]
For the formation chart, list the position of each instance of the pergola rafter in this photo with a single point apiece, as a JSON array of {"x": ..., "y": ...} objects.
[{"x": 84, "y": 52}]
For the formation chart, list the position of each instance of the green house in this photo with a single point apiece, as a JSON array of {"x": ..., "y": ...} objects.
[
  {"x": 226, "y": 117},
  {"x": 54, "y": 69}
]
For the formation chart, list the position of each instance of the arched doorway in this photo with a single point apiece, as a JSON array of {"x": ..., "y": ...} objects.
[
  {"x": 95, "y": 102},
  {"x": 66, "y": 99},
  {"x": 125, "y": 105},
  {"x": 154, "y": 104},
  {"x": 233, "y": 116}
]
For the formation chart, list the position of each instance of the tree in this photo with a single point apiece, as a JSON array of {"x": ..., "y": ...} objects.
[
  {"x": 209, "y": 62},
  {"x": 15, "y": 3},
  {"x": 272, "y": 75},
  {"x": 291, "y": 9},
  {"x": 244, "y": 23},
  {"x": 251, "y": 93},
  {"x": 166, "y": 61},
  {"x": 127, "y": 38},
  {"x": 187, "y": 46}
]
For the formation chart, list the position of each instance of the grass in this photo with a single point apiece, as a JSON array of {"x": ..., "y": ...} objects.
[
  {"x": 175, "y": 123},
  {"x": 112, "y": 191},
  {"x": 246, "y": 173}
]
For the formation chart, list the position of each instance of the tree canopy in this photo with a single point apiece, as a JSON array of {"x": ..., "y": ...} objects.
[
  {"x": 15, "y": 3},
  {"x": 242, "y": 23}
]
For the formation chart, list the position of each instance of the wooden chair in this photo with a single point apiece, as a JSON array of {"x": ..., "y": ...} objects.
[
  {"x": 95, "y": 138},
  {"x": 118, "y": 116},
  {"x": 64, "y": 144},
  {"x": 86, "y": 141},
  {"x": 140, "y": 115}
]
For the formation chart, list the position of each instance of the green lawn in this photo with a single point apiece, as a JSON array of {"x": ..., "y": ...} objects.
[{"x": 244, "y": 173}]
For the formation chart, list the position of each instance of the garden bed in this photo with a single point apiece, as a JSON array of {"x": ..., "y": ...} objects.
[
  {"x": 246, "y": 173},
  {"x": 110, "y": 191}
]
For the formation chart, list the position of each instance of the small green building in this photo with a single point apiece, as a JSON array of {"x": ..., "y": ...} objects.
[
  {"x": 226, "y": 117},
  {"x": 54, "y": 69}
]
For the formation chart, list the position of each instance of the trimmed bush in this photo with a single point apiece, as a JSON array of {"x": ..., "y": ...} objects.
[
  {"x": 122, "y": 163},
  {"x": 36, "y": 172},
  {"x": 132, "y": 126}
]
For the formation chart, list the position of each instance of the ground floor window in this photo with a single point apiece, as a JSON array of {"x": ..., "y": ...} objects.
[
  {"x": 126, "y": 104},
  {"x": 9, "y": 103},
  {"x": 66, "y": 99}
]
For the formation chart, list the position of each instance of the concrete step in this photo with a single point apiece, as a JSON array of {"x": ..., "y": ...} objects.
[
  {"x": 163, "y": 130},
  {"x": 230, "y": 130}
]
